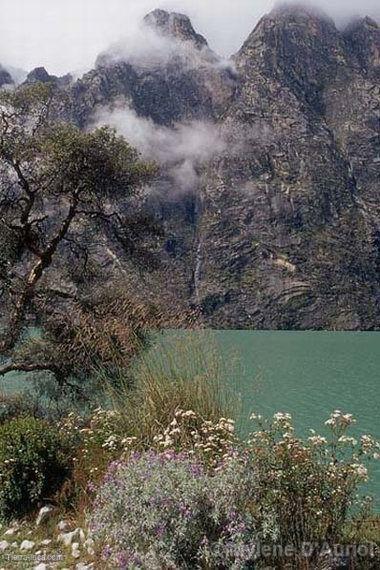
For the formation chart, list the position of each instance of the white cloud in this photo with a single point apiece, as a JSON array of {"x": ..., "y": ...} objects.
[
  {"x": 66, "y": 35},
  {"x": 181, "y": 150}
]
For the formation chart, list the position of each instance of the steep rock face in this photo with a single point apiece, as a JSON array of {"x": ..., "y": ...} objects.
[
  {"x": 5, "y": 77},
  {"x": 289, "y": 233}
]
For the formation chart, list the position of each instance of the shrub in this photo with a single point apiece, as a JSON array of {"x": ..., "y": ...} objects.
[
  {"x": 163, "y": 510},
  {"x": 33, "y": 464},
  {"x": 306, "y": 492},
  {"x": 102, "y": 438},
  {"x": 204, "y": 499}
]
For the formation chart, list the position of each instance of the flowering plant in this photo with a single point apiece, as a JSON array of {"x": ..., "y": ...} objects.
[
  {"x": 307, "y": 489},
  {"x": 202, "y": 498},
  {"x": 165, "y": 510}
]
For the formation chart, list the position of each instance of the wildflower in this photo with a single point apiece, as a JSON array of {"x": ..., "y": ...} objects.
[
  {"x": 317, "y": 440},
  {"x": 347, "y": 440},
  {"x": 338, "y": 419},
  {"x": 369, "y": 444},
  {"x": 190, "y": 414},
  {"x": 360, "y": 471}
]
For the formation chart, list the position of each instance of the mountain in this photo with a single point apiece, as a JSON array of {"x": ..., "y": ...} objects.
[
  {"x": 175, "y": 77},
  {"x": 290, "y": 227},
  {"x": 280, "y": 227},
  {"x": 5, "y": 77}
]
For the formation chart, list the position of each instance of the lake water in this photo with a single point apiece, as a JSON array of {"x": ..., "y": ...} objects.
[{"x": 308, "y": 374}]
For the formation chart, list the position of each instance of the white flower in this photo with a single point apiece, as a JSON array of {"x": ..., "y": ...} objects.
[
  {"x": 190, "y": 414},
  {"x": 317, "y": 440},
  {"x": 279, "y": 417},
  {"x": 282, "y": 420},
  {"x": 256, "y": 417},
  {"x": 128, "y": 440},
  {"x": 368, "y": 443},
  {"x": 360, "y": 470},
  {"x": 337, "y": 418},
  {"x": 347, "y": 440}
]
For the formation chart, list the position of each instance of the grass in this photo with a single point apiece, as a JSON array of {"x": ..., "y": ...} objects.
[{"x": 184, "y": 372}]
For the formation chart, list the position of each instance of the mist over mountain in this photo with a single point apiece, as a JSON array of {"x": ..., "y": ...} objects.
[{"x": 269, "y": 189}]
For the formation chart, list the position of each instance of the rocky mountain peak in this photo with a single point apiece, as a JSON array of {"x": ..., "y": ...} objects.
[
  {"x": 275, "y": 45},
  {"x": 363, "y": 38},
  {"x": 292, "y": 23},
  {"x": 172, "y": 24},
  {"x": 38, "y": 75},
  {"x": 299, "y": 11},
  {"x": 5, "y": 77}
]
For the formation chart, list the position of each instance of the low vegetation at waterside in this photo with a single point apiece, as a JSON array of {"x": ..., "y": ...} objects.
[{"x": 186, "y": 491}]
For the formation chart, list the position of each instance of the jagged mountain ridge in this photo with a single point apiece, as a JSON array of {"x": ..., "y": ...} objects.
[
  {"x": 283, "y": 228},
  {"x": 297, "y": 214}
]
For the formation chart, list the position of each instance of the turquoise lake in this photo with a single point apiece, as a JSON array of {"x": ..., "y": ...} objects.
[{"x": 308, "y": 374}]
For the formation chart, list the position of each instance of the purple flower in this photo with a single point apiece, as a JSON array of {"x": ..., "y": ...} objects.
[
  {"x": 107, "y": 552},
  {"x": 160, "y": 530}
]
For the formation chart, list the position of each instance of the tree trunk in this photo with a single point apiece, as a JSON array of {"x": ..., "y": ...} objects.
[{"x": 17, "y": 315}]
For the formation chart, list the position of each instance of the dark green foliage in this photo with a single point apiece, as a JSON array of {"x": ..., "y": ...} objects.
[{"x": 33, "y": 464}]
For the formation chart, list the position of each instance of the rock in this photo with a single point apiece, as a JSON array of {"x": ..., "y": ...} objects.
[
  {"x": 41, "y": 566},
  {"x": 89, "y": 546},
  {"x": 82, "y": 566},
  {"x": 63, "y": 525},
  {"x": 46, "y": 542},
  {"x": 177, "y": 26},
  {"x": 275, "y": 227},
  {"x": 68, "y": 537},
  {"x": 39, "y": 75},
  {"x": 44, "y": 514},
  {"x": 282, "y": 229},
  {"x": 75, "y": 552},
  {"x": 3, "y": 545},
  {"x": 27, "y": 545},
  {"x": 14, "y": 545},
  {"x": 11, "y": 531}
]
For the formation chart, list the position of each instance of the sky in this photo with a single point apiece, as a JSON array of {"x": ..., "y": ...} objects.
[{"x": 67, "y": 35}]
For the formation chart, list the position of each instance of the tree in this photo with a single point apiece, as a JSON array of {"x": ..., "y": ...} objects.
[{"x": 55, "y": 181}]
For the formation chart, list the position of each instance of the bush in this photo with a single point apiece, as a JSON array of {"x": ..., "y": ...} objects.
[
  {"x": 163, "y": 510},
  {"x": 204, "y": 499},
  {"x": 33, "y": 464},
  {"x": 307, "y": 491}
]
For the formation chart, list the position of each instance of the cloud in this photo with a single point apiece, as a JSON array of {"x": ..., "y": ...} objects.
[
  {"x": 144, "y": 48},
  {"x": 180, "y": 150},
  {"x": 68, "y": 35}
]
